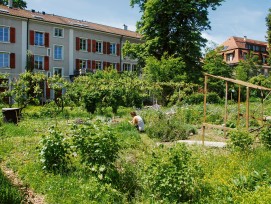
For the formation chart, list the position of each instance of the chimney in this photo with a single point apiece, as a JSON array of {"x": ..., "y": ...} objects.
[
  {"x": 125, "y": 27},
  {"x": 10, "y": 2},
  {"x": 245, "y": 38}
]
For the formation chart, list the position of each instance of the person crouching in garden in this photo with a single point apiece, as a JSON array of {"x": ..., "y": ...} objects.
[{"x": 137, "y": 122}]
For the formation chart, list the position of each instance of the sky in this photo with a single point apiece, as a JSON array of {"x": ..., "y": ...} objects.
[{"x": 233, "y": 18}]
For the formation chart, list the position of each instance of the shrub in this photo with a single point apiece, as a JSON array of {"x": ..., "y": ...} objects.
[
  {"x": 265, "y": 137},
  {"x": 98, "y": 148},
  {"x": 54, "y": 151},
  {"x": 171, "y": 177},
  {"x": 240, "y": 139}
]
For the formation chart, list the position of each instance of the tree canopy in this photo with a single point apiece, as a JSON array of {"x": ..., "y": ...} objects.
[
  {"x": 174, "y": 27},
  {"x": 16, "y": 3}
]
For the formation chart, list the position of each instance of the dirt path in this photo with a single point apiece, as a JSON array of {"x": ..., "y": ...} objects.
[{"x": 30, "y": 196}]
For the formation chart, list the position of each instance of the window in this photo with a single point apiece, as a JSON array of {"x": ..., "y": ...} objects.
[
  {"x": 83, "y": 64},
  {"x": 98, "y": 65},
  {"x": 114, "y": 65},
  {"x": 99, "y": 47},
  {"x": 4, "y": 34},
  {"x": 83, "y": 44},
  {"x": 59, "y": 32},
  {"x": 264, "y": 59},
  {"x": 126, "y": 67},
  {"x": 38, "y": 62},
  {"x": 58, "y": 52},
  {"x": 263, "y": 49},
  {"x": 58, "y": 71},
  {"x": 4, "y": 60},
  {"x": 39, "y": 38},
  {"x": 134, "y": 67},
  {"x": 113, "y": 49},
  {"x": 229, "y": 57}
]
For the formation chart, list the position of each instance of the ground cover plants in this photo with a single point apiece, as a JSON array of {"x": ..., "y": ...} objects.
[{"x": 103, "y": 159}]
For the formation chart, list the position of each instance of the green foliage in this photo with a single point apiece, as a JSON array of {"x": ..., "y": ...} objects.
[
  {"x": 171, "y": 177},
  {"x": 16, "y": 3},
  {"x": 8, "y": 192},
  {"x": 175, "y": 27},
  {"x": 167, "y": 127},
  {"x": 268, "y": 24},
  {"x": 240, "y": 140},
  {"x": 98, "y": 148},
  {"x": 198, "y": 98},
  {"x": 265, "y": 137},
  {"x": 54, "y": 152}
]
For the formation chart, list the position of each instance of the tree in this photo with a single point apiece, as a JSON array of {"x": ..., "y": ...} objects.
[
  {"x": 214, "y": 64},
  {"x": 268, "y": 24},
  {"x": 16, "y": 3},
  {"x": 174, "y": 27}
]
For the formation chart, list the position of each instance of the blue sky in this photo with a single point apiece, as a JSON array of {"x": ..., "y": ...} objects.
[{"x": 234, "y": 18}]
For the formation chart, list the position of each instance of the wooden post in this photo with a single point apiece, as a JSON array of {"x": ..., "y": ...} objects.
[
  {"x": 204, "y": 108},
  {"x": 247, "y": 109},
  {"x": 226, "y": 108},
  {"x": 262, "y": 107},
  {"x": 239, "y": 101}
]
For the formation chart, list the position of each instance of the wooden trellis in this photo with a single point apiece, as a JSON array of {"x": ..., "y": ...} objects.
[{"x": 247, "y": 116}]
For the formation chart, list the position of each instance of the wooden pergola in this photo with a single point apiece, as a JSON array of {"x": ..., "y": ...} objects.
[{"x": 247, "y": 116}]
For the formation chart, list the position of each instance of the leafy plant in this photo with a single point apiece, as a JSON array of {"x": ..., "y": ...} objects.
[
  {"x": 98, "y": 148},
  {"x": 54, "y": 151},
  {"x": 265, "y": 137},
  {"x": 240, "y": 139}
]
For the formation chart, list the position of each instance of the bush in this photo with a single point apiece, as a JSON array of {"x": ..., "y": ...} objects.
[
  {"x": 171, "y": 177},
  {"x": 54, "y": 151},
  {"x": 98, "y": 148},
  {"x": 265, "y": 137},
  {"x": 240, "y": 140}
]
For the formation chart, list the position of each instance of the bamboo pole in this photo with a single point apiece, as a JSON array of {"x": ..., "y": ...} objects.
[
  {"x": 204, "y": 107},
  {"x": 226, "y": 108},
  {"x": 239, "y": 100},
  {"x": 247, "y": 109}
]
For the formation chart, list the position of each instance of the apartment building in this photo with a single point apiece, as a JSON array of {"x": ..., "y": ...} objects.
[
  {"x": 59, "y": 45},
  {"x": 235, "y": 49}
]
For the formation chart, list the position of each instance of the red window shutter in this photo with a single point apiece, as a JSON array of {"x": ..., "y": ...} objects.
[
  {"x": 89, "y": 64},
  {"x": 77, "y": 64},
  {"x": 46, "y": 63},
  {"x": 77, "y": 43},
  {"x": 118, "y": 49},
  {"x": 89, "y": 45},
  {"x": 93, "y": 45},
  {"x": 108, "y": 48},
  {"x": 12, "y": 60},
  {"x": 104, "y": 65},
  {"x": 118, "y": 67},
  {"x": 46, "y": 40},
  {"x": 93, "y": 64},
  {"x": 32, "y": 37},
  {"x": 104, "y": 47},
  {"x": 12, "y": 35}
]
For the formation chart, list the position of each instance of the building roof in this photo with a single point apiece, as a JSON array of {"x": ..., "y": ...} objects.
[
  {"x": 52, "y": 18},
  {"x": 238, "y": 42}
]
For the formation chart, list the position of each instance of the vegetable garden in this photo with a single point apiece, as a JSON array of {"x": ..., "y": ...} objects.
[{"x": 81, "y": 147}]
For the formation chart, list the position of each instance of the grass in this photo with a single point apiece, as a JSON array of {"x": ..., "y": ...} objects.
[{"x": 222, "y": 168}]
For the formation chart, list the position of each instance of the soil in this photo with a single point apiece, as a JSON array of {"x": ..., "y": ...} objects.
[{"x": 30, "y": 196}]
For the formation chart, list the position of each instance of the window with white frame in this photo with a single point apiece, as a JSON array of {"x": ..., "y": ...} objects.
[
  {"x": 126, "y": 67},
  {"x": 114, "y": 65},
  {"x": 58, "y": 71},
  {"x": 59, "y": 32},
  {"x": 38, "y": 62},
  {"x": 229, "y": 57},
  {"x": 83, "y": 64},
  {"x": 39, "y": 38},
  {"x": 4, "y": 34},
  {"x": 98, "y": 65},
  {"x": 83, "y": 44},
  {"x": 113, "y": 48},
  {"x": 99, "y": 47},
  {"x": 58, "y": 52},
  {"x": 4, "y": 60}
]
